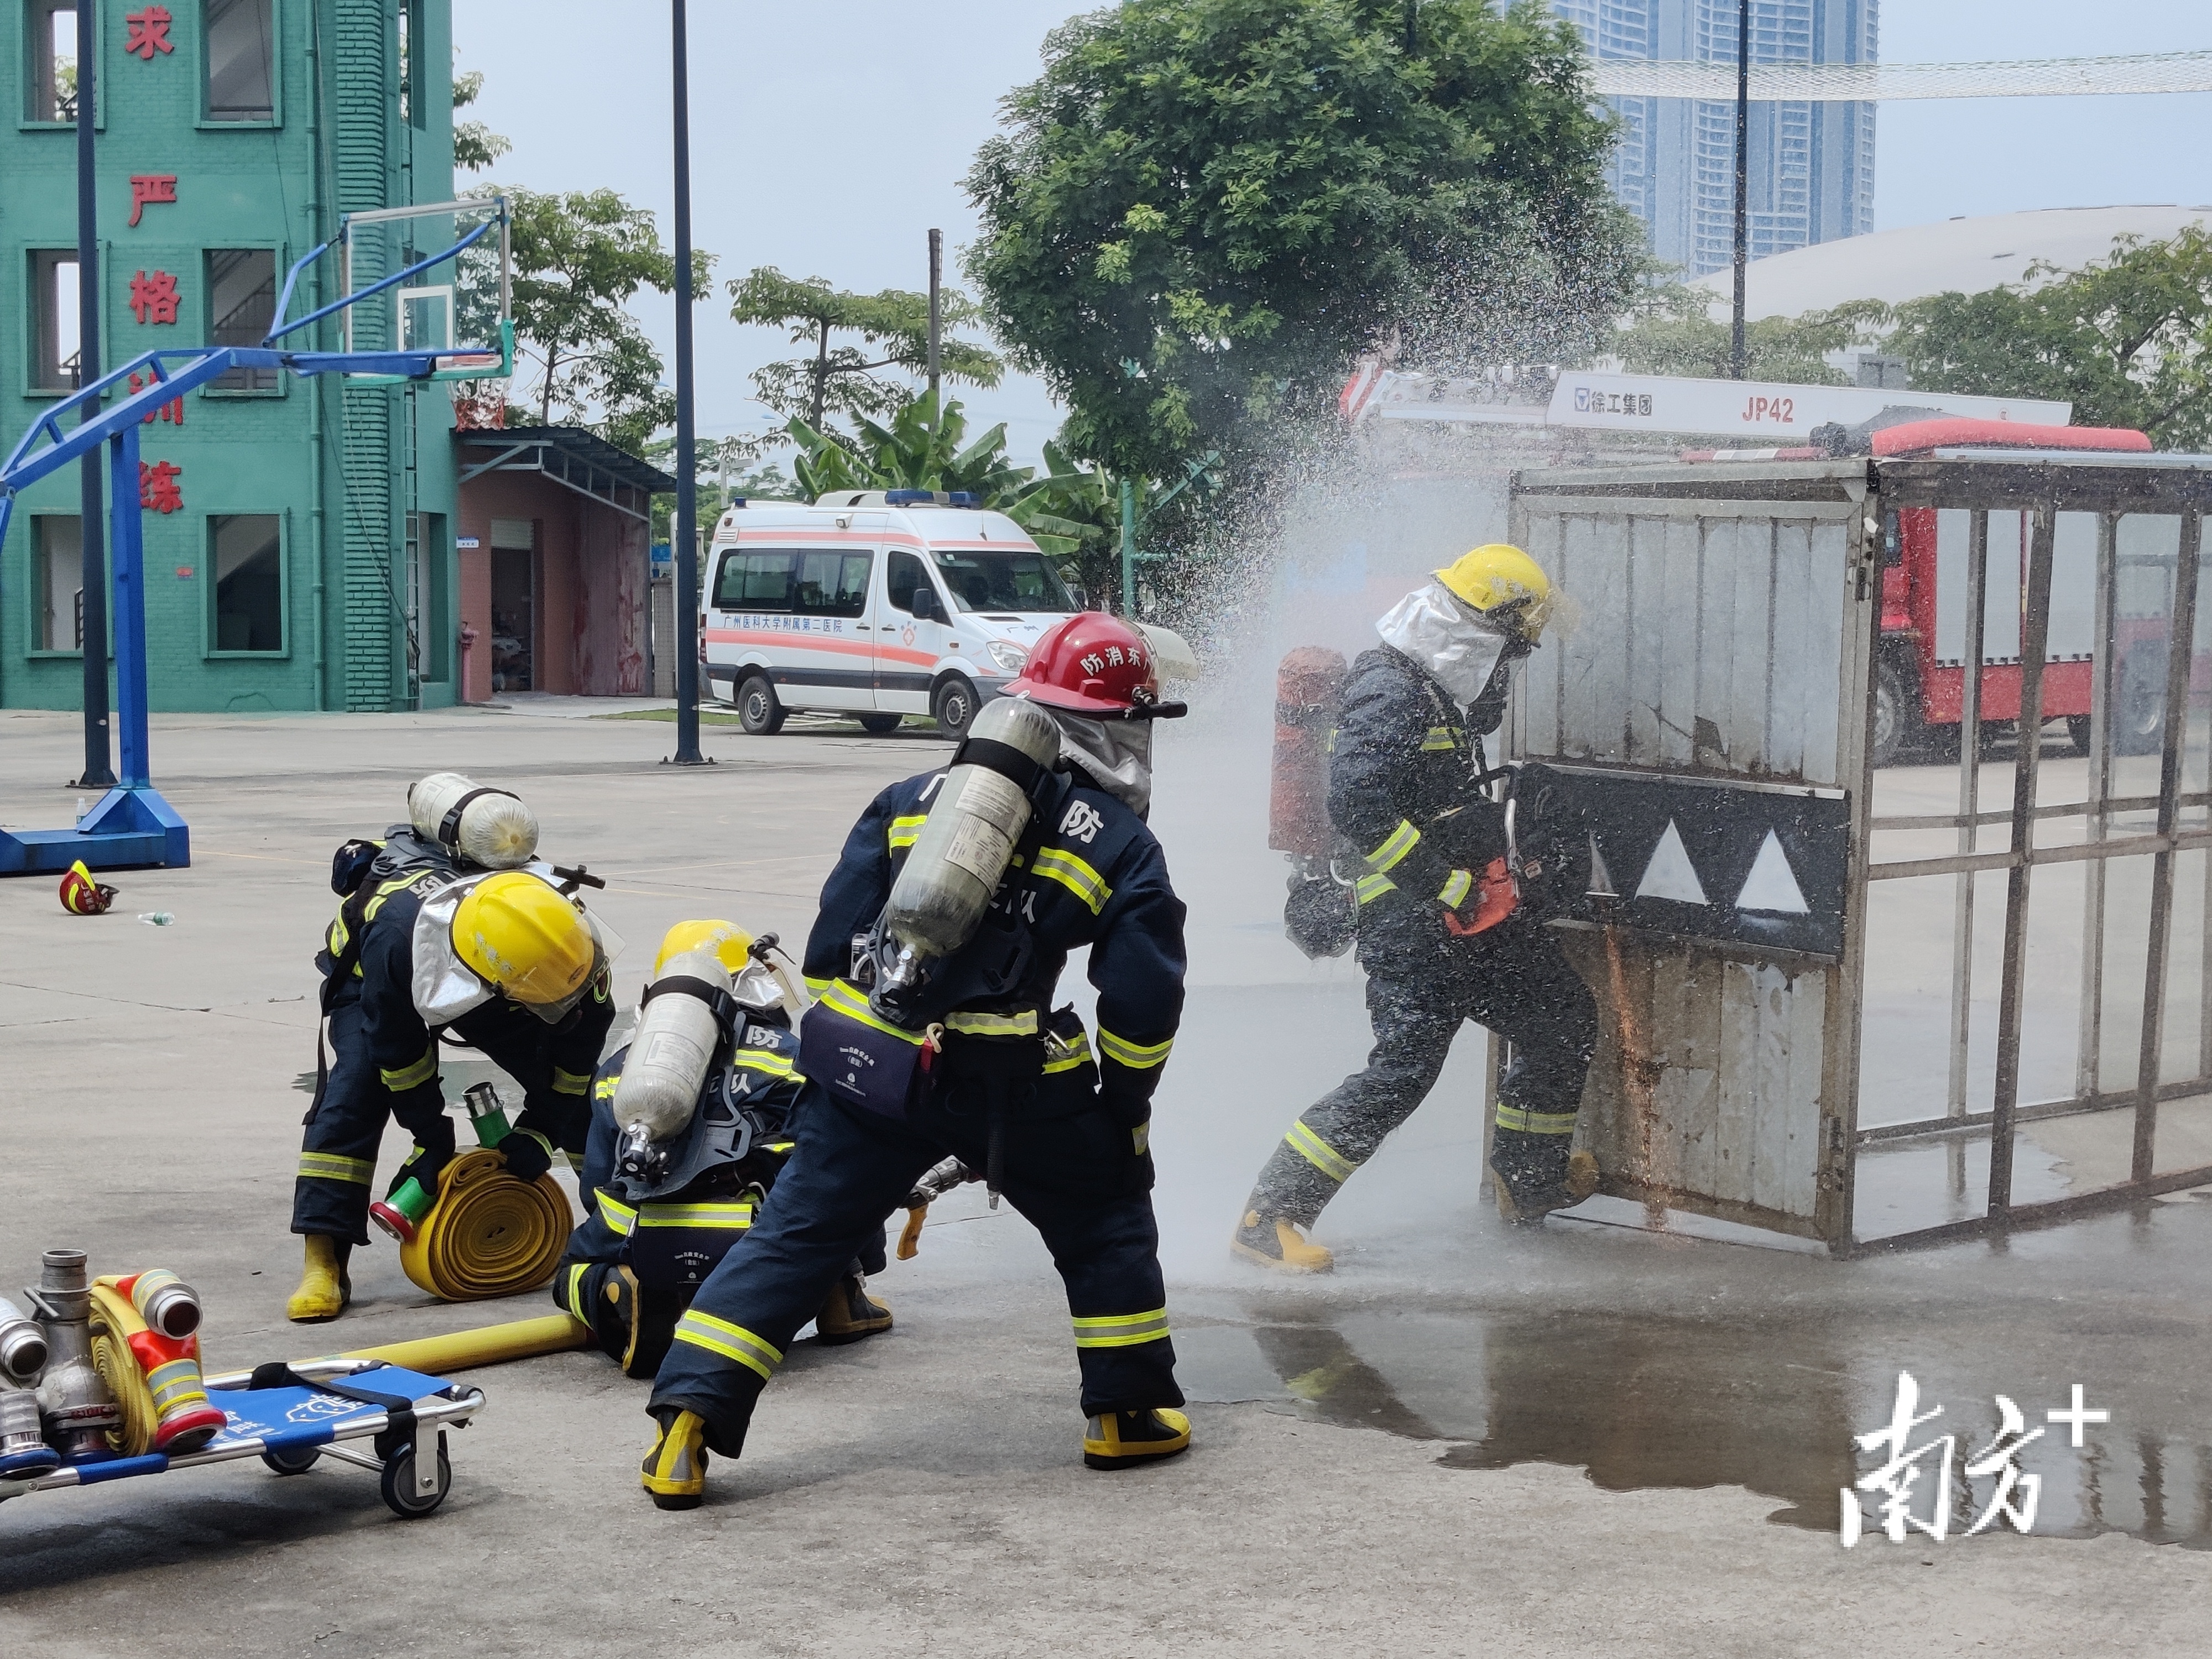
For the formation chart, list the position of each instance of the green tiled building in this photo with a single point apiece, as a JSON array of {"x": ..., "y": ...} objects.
[{"x": 298, "y": 531}]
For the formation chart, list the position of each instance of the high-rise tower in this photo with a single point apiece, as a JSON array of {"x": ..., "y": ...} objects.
[{"x": 1812, "y": 164}]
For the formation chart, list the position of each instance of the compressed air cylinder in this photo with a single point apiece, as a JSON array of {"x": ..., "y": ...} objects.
[
  {"x": 670, "y": 1049},
  {"x": 495, "y": 831},
  {"x": 964, "y": 847},
  {"x": 22, "y": 1345}
]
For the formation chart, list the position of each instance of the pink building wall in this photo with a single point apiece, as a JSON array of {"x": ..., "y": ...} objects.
[{"x": 589, "y": 611}]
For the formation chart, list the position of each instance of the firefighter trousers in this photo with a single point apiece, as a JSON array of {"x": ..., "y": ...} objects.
[
  {"x": 1513, "y": 980},
  {"x": 345, "y": 1125},
  {"x": 1082, "y": 1180}
]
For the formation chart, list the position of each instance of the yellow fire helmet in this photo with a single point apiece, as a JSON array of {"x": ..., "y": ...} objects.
[
  {"x": 1501, "y": 577},
  {"x": 520, "y": 934},
  {"x": 731, "y": 945}
]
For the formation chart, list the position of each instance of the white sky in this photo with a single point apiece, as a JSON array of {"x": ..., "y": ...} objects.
[{"x": 827, "y": 137}]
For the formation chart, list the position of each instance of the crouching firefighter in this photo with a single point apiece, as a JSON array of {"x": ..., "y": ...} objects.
[
  {"x": 940, "y": 942},
  {"x": 422, "y": 943},
  {"x": 1442, "y": 933},
  {"x": 690, "y": 1124}
]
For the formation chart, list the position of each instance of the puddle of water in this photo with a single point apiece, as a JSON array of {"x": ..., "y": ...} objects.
[{"x": 1640, "y": 1401}]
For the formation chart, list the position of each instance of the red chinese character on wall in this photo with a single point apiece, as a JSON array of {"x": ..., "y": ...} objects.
[
  {"x": 150, "y": 187},
  {"x": 157, "y": 486},
  {"x": 154, "y": 299},
  {"x": 171, "y": 411},
  {"x": 149, "y": 32}
]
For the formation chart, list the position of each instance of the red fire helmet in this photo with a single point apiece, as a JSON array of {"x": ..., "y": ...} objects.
[{"x": 1096, "y": 664}]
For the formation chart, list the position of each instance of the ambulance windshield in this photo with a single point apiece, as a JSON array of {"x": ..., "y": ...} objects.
[{"x": 1016, "y": 580}]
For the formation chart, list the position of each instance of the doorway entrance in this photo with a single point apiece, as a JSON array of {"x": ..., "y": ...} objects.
[{"x": 514, "y": 608}]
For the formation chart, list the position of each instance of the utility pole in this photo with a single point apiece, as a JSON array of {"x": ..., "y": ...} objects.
[
  {"x": 686, "y": 528},
  {"x": 1129, "y": 549},
  {"x": 1742, "y": 178},
  {"x": 93, "y": 569},
  {"x": 936, "y": 324}
]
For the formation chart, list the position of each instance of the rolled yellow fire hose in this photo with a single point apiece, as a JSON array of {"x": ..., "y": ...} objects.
[
  {"x": 115, "y": 1321},
  {"x": 488, "y": 1345},
  {"x": 489, "y": 1234}
]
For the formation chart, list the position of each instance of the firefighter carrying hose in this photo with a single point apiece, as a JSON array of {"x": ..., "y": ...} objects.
[
  {"x": 716, "y": 1039},
  {"x": 1438, "y": 934},
  {"x": 428, "y": 940},
  {"x": 941, "y": 939}
]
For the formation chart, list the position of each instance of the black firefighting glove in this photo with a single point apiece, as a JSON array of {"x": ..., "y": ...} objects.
[{"x": 527, "y": 1153}]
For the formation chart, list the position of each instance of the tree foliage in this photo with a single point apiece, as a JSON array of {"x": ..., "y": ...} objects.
[
  {"x": 2127, "y": 340},
  {"x": 1205, "y": 209},
  {"x": 916, "y": 451},
  {"x": 580, "y": 257},
  {"x": 839, "y": 380},
  {"x": 1674, "y": 333},
  {"x": 476, "y": 146}
]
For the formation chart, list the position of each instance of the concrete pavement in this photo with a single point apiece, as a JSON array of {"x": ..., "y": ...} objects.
[{"x": 1465, "y": 1441}]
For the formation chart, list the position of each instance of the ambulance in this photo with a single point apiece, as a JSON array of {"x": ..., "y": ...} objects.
[{"x": 877, "y": 603}]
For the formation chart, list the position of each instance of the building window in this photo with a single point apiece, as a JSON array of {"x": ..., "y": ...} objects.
[
  {"x": 50, "y": 60},
  {"x": 57, "y": 558},
  {"x": 242, "y": 290},
  {"x": 240, "y": 60},
  {"x": 245, "y": 557},
  {"x": 413, "y": 109},
  {"x": 54, "y": 341}
]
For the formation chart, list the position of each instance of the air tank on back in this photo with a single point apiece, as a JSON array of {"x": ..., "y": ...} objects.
[
  {"x": 673, "y": 1045},
  {"x": 961, "y": 853},
  {"x": 495, "y": 831}
]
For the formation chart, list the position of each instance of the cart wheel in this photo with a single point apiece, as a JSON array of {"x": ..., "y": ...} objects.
[
  {"x": 398, "y": 1482},
  {"x": 298, "y": 1460}
]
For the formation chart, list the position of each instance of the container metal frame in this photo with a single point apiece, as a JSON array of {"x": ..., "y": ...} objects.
[{"x": 2043, "y": 485}]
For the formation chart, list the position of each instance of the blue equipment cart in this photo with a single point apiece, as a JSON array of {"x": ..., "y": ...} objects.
[{"x": 291, "y": 1425}]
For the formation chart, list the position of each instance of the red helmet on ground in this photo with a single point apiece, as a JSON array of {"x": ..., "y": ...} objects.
[{"x": 1097, "y": 664}]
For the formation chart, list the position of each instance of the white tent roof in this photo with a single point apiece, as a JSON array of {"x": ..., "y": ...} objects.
[{"x": 1965, "y": 255}]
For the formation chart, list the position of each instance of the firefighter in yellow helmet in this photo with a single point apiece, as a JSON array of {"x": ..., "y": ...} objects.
[
  {"x": 512, "y": 966},
  {"x": 661, "y": 1213},
  {"x": 1439, "y": 935}
]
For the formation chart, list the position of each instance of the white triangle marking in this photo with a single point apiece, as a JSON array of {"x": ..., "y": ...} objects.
[
  {"x": 1772, "y": 884},
  {"x": 1670, "y": 875},
  {"x": 1600, "y": 881}
]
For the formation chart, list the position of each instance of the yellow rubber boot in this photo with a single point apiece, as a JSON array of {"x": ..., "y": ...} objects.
[
  {"x": 850, "y": 1313},
  {"x": 1121, "y": 1440},
  {"x": 675, "y": 1470},
  {"x": 1274, "y": 1242},
  {"x": 324, "y": 1289},
  {"x": 1582, "y": 1174}
]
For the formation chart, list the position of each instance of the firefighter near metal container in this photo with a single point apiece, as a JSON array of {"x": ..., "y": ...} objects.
[
  {"x": 1448, "y": 914},
  {"x": 938, "y": 949}
]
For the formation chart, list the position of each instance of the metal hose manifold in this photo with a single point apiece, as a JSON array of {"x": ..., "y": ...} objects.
[
  {"x": 78, "y": 1408},
  {"x": 489, "y": 1234}
]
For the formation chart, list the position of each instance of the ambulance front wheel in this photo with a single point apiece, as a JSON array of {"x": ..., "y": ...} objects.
[
  {"x": 955, "y": 707},
  {"x": 760, "y": 711}
]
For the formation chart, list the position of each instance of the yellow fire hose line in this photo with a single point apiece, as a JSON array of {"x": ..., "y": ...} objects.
[
  {"x": 487, "y": 1344},
  {"x": 488, "y": 1235}
]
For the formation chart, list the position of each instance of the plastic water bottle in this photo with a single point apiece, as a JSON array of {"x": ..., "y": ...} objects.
[{"x": 156, "y": 918}]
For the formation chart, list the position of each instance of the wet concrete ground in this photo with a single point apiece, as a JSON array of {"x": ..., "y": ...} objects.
[{"x": 1467, "y": 1439}]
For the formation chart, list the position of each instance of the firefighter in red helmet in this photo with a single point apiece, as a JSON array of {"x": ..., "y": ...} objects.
[{"x": 1010, "y": 1085}]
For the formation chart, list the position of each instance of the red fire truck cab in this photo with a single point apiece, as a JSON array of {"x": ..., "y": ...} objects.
[{"x": 1920, "y": 673}]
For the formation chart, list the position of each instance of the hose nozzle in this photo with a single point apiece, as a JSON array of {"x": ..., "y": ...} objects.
[{"x": 22, "y": 1345}]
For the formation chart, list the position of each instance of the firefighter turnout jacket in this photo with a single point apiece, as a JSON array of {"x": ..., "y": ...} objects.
[
  {"x": 1093, "y": 875},
  {"x": 1402, "y": 795}
]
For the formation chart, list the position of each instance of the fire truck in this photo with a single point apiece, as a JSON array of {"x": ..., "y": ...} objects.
[{"x": 1920, "y": 675}]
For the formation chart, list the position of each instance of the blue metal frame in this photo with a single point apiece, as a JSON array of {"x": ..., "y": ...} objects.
[{"x": 132, "y": 824}]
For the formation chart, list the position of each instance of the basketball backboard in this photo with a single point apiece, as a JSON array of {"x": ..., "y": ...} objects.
[{"x": 458, "y": 306}]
